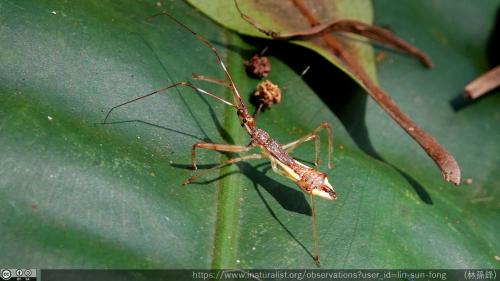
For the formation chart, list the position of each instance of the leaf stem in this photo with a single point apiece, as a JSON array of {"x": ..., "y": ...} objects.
[{"x": 225, "y": 248}]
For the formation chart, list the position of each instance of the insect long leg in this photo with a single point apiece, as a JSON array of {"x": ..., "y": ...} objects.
[
  {"x": 187, "y": 84},
  {"x": 314, "y": 135},
  {"x": 237, "y": 98},
  {"x": 314, "y": 230},
  {"x": 279, "y": 171},
  {"x": 217, "y": 147},
  {"x": 223, "y": 164}
]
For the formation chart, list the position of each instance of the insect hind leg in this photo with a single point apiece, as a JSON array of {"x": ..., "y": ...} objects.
[{"x": 314, "y": 135}]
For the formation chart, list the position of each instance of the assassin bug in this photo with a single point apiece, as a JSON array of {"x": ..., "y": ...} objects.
[{"x": 309, "y": 180}]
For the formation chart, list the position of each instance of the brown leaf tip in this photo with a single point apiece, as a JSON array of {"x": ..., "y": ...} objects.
[
  {"x": 266, "y": 94},
  {"x": 451, "y": 171},
  {"x": 258, "y": 66}
]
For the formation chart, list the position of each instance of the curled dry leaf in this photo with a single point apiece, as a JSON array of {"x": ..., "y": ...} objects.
[
  {"x": 347, "y": 58},
  {"x": 375, "y": 33}
]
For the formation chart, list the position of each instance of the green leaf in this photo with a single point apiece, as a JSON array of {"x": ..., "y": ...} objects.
[{"x": 85, "y": 195}]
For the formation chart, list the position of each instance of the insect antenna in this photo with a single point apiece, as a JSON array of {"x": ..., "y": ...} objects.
[{"x": 237, "y": 98}]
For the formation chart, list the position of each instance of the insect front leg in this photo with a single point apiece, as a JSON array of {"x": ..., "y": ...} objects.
[
  {"x": 314, "y": 135},
  {"x": 163, "y": 90}
]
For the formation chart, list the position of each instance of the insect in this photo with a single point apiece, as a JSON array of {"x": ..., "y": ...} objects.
[{"x": 308, "y": 179}]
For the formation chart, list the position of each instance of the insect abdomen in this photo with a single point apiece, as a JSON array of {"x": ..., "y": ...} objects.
[{"x": 262, "y": 138}]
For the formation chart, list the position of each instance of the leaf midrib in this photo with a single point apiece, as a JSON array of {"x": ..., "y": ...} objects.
[{"x": 228, "y": 188}]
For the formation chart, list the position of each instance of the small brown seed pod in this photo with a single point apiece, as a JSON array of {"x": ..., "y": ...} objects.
[
  {"x": 258, "y": 66},
  {"x": 266, "y": 94}
]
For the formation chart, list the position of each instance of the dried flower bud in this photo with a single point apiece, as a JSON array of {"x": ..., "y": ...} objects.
[
  {"x": 266, "y": 94},
  {"x": 258, "y": 66}
]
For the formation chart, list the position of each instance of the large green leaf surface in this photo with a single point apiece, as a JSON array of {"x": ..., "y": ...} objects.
[{"x": 79, "y": 194}]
